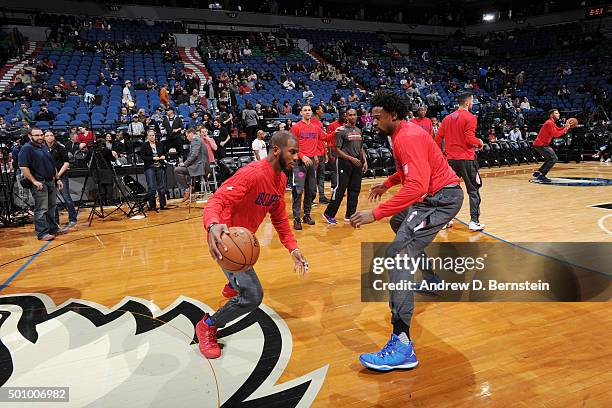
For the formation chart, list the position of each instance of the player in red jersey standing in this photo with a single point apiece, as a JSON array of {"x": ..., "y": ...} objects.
[
  {"x": 304, "y": 177},
  {"x": 423, "y": 121},
  {"x": 244, "y": 200},
  {"x": 547, "y": 133},
  {"x": 322, "y": 156},
  {"x": 430, "y": 196},
  {"x": 331, "y": 143},
  {"x": 458, "y": 131}
]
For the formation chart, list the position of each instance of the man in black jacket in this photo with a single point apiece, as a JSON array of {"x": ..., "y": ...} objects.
[
  {"x": 173, "y": 128},
  {"x": 59, "y": 153}
]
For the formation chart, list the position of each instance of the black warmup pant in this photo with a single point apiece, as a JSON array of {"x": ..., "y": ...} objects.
[
  {"x": 468, "y": 171},
  {"x": 349, "y": 176}
]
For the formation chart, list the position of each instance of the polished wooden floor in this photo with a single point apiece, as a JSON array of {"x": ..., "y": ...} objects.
[{"x": 471, "y": 354}]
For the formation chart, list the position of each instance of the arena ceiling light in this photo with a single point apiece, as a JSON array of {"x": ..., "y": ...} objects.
[{"x": 489, "y": 17}]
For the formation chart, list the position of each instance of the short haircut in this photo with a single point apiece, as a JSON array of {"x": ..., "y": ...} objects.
[
  {"x": 190, "y": 130},
  {"x": 281, "y": 137},
  {"x": 390, "y": 102},
  {"x": 35, "y": 128},
  {"x": 550, "y": 112},
  {"x": 463, "y": 98}
]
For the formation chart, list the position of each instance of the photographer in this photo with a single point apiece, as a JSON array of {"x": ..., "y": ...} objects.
[
  {"x": 59, "y": 153},
  {"x": 41, "y": 176}
]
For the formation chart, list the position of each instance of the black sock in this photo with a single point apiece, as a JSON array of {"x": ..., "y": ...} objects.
[{"x": 400, "y": 327}]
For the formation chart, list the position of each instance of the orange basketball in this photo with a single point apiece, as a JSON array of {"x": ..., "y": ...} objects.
[
  {"x": 572, "y": 121},
  {"x": 242, "y": 250}
]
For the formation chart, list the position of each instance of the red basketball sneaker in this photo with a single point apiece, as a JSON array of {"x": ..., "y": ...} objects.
[
  {"x": 228, "y": 291},
  {"x": 207, "y": 337}
]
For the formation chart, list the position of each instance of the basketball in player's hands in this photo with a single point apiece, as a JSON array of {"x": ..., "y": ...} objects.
[
  {"x": 242, "y": 250},
  {"x": 572, "y": 122}
]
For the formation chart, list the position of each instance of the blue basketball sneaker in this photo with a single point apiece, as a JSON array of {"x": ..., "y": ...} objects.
[{"x": 394, "y": 355}]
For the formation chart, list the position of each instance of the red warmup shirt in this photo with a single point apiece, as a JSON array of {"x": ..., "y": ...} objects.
[
  {"x": 245, "y": 199},
  {"x": 424, "y": 123},
  {"x": 321, "y": 143},
  {"x": 421, "y": 169},
  {"x": 458, "y": 130},
  {"x": 548, "y": 132},
  {"x": 331, "y": 133},
  {"x": 86, "y": 137},
  {"x": 308, "y": 135}
]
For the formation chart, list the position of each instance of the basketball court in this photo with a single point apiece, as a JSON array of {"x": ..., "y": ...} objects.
[{"x": 109, "y": 310}]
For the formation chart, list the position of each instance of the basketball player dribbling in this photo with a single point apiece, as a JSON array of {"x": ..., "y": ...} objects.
[
  {"x": 429, "y": 198},
  {"x": 244, "y": 200}
]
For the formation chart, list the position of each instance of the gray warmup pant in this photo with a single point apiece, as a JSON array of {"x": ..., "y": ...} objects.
[
  {"x": 550, "y": 158},
  {"x": 415, "y": 228},
  {"x": 468, "y": 171},
  {"x": 304, "y": 184},
  {"x": 250, "y": 295}
]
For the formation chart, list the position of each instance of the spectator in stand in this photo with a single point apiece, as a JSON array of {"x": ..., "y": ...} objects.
[
  {"x": 44, "y": 114},
  {"x": 525, "y": 105},
  {"x": 212, "y": 93},
  {"x": 515, "y": 134},
  {"x": 297, "y": 107},
  {"x": 286, "y": 108},
  {"x": 423, "y": 121},
  {"x": 85, "y": 138},
  {"x": 173, "y": 128},
  {"x": 289, "y": 84},
  {"x": 141, "y": 85},
  {"x": 75, "y": 89},
  {"x": 164, "y": 99},
  {"x": 307, "y": 95},
  {"x": 136, "y": 128},
  {"x": 126, "y": 97},
  {"x": 24, "y": 114},
  {"x": 249, "y": 117}
]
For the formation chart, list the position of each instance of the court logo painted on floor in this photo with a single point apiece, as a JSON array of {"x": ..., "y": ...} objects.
[{"x": 137, "y": 355}]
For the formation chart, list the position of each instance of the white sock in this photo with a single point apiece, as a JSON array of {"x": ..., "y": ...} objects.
[{"x": 404, "y": 338}]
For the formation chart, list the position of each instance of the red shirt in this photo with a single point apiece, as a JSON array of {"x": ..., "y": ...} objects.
[
  {"x": 548, "y": 132},
  {"x": 425, "y": 123},
  {"x": 331, "y": 133},
  {"x": 421, "y": 169},
  {"x": 85, "y": 137},
  {"x": 458, "y": 130},
  {"x": 246, "y": 197},
  {"x": 321, "y": 143},
  {"x": 308, "y": 135}
]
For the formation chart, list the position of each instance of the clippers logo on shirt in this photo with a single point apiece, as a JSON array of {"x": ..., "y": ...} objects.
[
  {"x": 266, "y": 199},
  {"x": 309, "y": 135}
]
